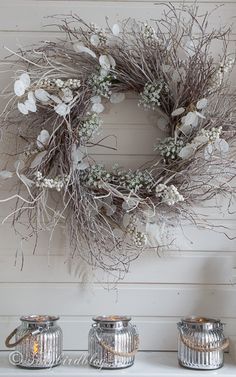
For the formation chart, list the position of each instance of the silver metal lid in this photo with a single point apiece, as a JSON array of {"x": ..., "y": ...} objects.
[
  {"x": 112, "y": 318},
  {"x": 112, "y": 321},
  {"x": 201, "y": 322},
  {"x": 39, "y": 318}
]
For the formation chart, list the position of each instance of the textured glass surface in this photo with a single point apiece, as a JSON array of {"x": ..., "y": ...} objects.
[
  {"x": 112, "y": 344},
  {"x": 201, "y": 335},
  {"x": 40, "y": 350}
]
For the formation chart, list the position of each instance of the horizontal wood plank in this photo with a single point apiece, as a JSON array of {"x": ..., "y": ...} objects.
[
  {"x": 170, "y": 267},
  {"x": 139, "y": 300},
  {"x": 37, "y": 13}
]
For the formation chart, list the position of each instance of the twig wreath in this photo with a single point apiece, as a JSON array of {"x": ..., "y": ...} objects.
[{"x": 60, "y": 92}]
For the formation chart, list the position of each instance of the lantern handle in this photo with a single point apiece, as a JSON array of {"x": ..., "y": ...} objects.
[
  {"x": 26, "y": 335},
  {"x": 117, "y": 353},
  {"x": 204, "y": 348}
]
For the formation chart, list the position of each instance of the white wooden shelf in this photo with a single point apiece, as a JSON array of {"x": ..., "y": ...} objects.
[{"x": 147, "y": 364}]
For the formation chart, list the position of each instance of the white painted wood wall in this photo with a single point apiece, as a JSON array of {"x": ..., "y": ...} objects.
[{"x": 195, "y": 279}]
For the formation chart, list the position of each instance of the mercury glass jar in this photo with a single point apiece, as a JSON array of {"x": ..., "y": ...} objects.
[
  {"x": 113, "y": 342},
  {"x": 201, "y": 343},
  {"x": 38, "y": 342}
]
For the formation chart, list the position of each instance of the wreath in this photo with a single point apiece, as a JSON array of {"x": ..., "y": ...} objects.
[{"x": 60, "y": 92}]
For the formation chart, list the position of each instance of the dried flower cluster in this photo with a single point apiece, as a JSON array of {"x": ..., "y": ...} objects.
[{"x": 55, "y": 110}]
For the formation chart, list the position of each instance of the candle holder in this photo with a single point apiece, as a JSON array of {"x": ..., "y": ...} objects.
[
  {"x": 201, "y": 343},
  {"x": 113, "y": 342},
  {"x": 38, "y": 342}
]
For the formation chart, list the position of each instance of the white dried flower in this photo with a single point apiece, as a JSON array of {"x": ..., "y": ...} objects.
[
  {"x": 149, "y": 33},
  {"x": 139, "y": 239},
  {"x": 101, "y": 85},
  {"x": 169, "y": 148},
  {"x": 150, "y": 96},
  {"x": 89, "y": 127},
  {"x": 168, "y": 194},
  {"x": 57, "y": 183}
]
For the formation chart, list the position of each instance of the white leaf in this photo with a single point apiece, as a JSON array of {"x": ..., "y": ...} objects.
[
  {"x": 26, "y": 181},
  {"x": 186, "y": 152},
  {"x": 30, "y": 106},
  {"x": 117, "y": 97},
  {"x": 162, "y": 124},
  {"x": 202, "y": 104},
  {"x": 37, "y": 160},
  {"x": 55, "y": 99},
  {"x": 19, "y": 88},
  {"x": 42, "y": 95},
  {"x": 185, "y": 128},
  {"x": 112, "y": 61},
  {"x": 94, "y": 39},
  {"x": 22, "y": 108},
  {"x": 104, "y": 72},
  {"x": 104, "y": 62},
  {"x": 5, "y": 174},
  {"x": 199, "y": 140},
  {"x": 80, "y": 48},
  {"x": 116, "y": 30},
  {"x": 25, "y": 79},
  {"x": 98, "y": 108},
  {"x": 96, "y": 99},
  {"x": 178, "y": 111},
  {"x": 190, "y": 118},
  {"x": 31, "y": 96},
  {"x": 43, "y": 139},
  {"x": 62, "y": 109},
  {"x": 221, "y": 145}
]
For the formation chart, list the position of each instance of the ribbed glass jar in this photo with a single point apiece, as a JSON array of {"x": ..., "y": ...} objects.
[
  {"x": 113, "y": 342},
  {"x": 38, "y": 342},
  {"x": 201, "y": 343}
]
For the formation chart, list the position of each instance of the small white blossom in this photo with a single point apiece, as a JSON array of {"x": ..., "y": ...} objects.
[
  {"x": 169, "y": 148},
  {"x": 139, "y": 238},
  {"x": 66, "y": 95},
  {"x": 89, "y": 127},
  {"x": 150, "y": 96},
  {"x": 168, "y": 194},
  {"x": 57, "y": 183},
  {"x": 149, "y": 33},
  {"x": 101, "y": 85}
]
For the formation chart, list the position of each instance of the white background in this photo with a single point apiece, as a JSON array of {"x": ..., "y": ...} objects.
[{"x": 196, "y": 278}]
